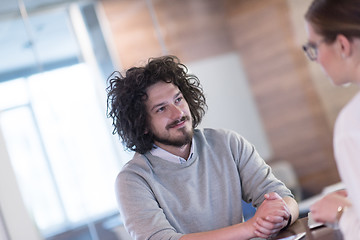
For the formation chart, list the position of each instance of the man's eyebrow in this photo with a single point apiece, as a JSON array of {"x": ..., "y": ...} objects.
[
  {"x": 163, "y": 103},
  {"x": 158, "y": 105},
  {"x": 178, "y": 94}
]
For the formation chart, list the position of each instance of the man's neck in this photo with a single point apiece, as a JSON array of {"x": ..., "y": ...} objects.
[{"x": 183, "y": 151}]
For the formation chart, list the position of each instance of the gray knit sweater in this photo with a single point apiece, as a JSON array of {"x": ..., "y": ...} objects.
[{"x": 159, "y": 199}]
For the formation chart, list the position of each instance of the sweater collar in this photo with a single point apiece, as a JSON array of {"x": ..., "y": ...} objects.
[{"x": 161, "y": 153}]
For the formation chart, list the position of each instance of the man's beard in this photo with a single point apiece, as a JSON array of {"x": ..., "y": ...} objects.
[{"x": 180, "y": 141}]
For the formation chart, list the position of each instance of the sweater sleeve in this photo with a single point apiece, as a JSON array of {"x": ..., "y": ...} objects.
[
  {"x": 256, "y": 176},
  {"x": 141, "y": 213}
]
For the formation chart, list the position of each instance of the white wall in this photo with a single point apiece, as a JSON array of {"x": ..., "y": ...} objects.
[
  {"x": 229, "y": 98},
  {"x": 17, "y": 221},
  {"x": 4, "y": 235}
]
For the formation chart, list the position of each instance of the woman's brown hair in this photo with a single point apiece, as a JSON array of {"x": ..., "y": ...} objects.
[{"x": 330, "y": 18}]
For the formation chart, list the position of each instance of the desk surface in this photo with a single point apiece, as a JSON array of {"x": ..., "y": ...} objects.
[{"x": 319, "y": 233}]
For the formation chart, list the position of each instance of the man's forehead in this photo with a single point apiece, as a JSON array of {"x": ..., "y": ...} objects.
[
  {"x": 161, "y": 88},
  {"x": 160, "y": 93}
]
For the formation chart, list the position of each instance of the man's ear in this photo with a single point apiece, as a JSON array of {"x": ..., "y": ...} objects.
[{"x": 344, "y": 46}]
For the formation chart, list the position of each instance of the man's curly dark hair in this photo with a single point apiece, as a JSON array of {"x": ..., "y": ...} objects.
[{"x": 127, "y": 95}]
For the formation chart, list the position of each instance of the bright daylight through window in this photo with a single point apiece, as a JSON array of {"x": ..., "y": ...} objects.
[
  {"x": 53, "y": 120},
  {"x": 58, "y": 143}
]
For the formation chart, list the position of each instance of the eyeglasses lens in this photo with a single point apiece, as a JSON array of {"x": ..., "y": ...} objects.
[{"x": 310, "y": 51}]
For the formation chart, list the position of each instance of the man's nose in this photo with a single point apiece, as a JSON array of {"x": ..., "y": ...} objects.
[{"x": 176, "y": 112}]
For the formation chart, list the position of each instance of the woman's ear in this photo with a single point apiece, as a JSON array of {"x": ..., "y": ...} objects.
[{"x": 343, "y": 46}]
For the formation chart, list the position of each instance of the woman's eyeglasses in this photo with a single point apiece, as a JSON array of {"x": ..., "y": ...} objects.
[{"x": 311, "y": 49}]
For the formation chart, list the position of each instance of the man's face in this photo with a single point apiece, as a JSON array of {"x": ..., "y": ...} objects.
[{"x": 169, "y": 115}]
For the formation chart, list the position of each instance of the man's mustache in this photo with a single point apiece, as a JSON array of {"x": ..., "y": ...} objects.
[{"x": 176, "y": 122}]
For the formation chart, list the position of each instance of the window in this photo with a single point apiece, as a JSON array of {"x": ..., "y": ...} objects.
[{"x": 53, "y": 117}]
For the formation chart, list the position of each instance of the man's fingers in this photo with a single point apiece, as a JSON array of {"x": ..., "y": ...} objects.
[
  {"x": 267, "y": 227},
  {"x": 272, "y": 196},
  {"x": 274, "y": 219},
  {"x": 262, "y": 229},
  {"x": 261, "y": 235}
]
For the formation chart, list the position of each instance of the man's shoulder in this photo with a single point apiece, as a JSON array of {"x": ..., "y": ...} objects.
[
  {"x": 221, "y": 138},
  {"x": 136, "y": 163},
  {"x": 218, "y": 133},
  {"x": 214, "y": 131}
]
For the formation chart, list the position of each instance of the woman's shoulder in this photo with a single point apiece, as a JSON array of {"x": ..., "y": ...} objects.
[
  {"x": 351, "y": 109},
  {"x": 349, "y": 117}
]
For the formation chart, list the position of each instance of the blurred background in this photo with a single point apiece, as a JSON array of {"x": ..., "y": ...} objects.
[{"x": 58, "y": 158}]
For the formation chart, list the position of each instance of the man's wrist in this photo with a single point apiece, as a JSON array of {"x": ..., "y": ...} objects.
[{"x": 289, "y": 222}]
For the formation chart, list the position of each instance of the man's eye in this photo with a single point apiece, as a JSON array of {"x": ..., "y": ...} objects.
[
  {"x": 178, "y": 99},
  {"x": 161, "y": 109}
]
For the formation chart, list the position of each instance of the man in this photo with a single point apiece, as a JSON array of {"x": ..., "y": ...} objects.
[{"x": 186, "y": 183}]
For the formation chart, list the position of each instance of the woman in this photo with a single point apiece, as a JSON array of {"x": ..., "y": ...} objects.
[{"x": 333, "y": 28}]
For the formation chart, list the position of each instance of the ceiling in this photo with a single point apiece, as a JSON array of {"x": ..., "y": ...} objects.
[
  {"x": 46, "y": 37},
  {"x": 12, "y": 6}
]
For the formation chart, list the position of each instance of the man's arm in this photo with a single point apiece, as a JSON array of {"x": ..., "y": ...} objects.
[
  {"x": 270, "y": 217},
  {"x": 240, "y": 231},
  {"x": 293, "y": 208}
]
